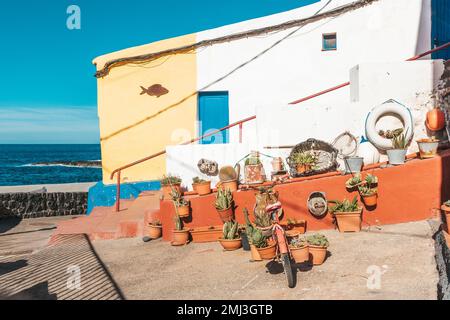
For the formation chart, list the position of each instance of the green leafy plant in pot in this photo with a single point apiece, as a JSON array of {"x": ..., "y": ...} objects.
[
  {"x": 170, "y": 183},
  {"x": 201, "y": 186},
  {"x": 181, "y": 204},
  {"x": 231, "y": 240},
  {"x": 304, "y": 161},
  {"x": 347, "y": 215},
  {"x": 258, "y": 242},
  {"x": 299, "y": 249},
  {"x": 397, "y": 154},
  {"x": 318, "y": 246},
  {"x": 224, "y": 205}
]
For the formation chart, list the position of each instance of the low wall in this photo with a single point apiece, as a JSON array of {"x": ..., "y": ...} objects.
[
  {"x": 443, "y": 265},
  {"x": 35, "y": 205}
]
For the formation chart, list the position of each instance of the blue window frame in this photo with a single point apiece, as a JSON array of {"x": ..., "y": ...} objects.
[{"x": 329, "y": 41}]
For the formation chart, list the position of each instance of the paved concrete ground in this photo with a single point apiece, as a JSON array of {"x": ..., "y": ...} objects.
[{"x": 156, "y": 270}]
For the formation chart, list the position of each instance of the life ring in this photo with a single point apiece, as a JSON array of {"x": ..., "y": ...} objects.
[{"x": 390, "y": 106}]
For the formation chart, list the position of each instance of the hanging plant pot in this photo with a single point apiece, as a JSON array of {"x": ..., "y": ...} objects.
[
  {"x": 226, "y": 215},
  {"x": 317, "y": 254},
  {"x": 154, "y": 232},
  {"x": 268, "y": 253},
  {"x": 435, "y": 120},
  {"x": 428, "y": 148},
  {"x": 180, "y": 237},
  {"x": 348, "y": 221},
  {"x": 370, "y": 200},
  {"x": 183, "y": 211},
  {"x": 231, "y": 245},
  {"x": 396, "y": 156},
  {"x": 168, "y": 189},
  {"x": 203, "y": 188},
  {"x": 353, "y": 164},
  {"x": 300, "y": 255}
]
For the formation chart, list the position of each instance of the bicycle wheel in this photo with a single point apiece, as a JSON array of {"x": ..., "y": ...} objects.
[{"x": 285, "y": 259}]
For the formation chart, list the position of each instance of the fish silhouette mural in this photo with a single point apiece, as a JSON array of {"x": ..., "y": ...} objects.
[{"x": 155, "y": 90}]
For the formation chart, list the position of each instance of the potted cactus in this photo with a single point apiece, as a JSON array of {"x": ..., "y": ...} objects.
[
  {"x": 228, "y": 178},
  {"x": 299, "y": 249},
  {"x": 169, "y": 183},
  {"x": 317, "y": 245},
  {"x": 180, "y": 203},
  {"x": 428, "y": 147},
  {"x": 202, "y": 187},
  {"x": 397, "y": 154},
  {"x": 347, "y": 215},
  {"x": 155, "y": 229},
  {"x": 180, "y": 235},
  {"x": 224, "y": 204},
  {"x": 231, "y": 240},
  {"x": 259, "y": 245},
  {"x": 304, "y": 161}
]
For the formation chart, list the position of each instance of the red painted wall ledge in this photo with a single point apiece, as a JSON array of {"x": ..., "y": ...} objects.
[{"x": 410, "y": 192}]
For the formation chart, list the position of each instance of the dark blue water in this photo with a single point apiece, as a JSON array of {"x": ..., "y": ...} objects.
[{"x": 16, "y": 164}]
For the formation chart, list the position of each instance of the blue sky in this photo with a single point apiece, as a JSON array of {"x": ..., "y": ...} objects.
[{"x": 47, "y": 88}]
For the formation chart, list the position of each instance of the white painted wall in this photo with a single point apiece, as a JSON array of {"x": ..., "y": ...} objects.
[{"x": 388, "y": 30}]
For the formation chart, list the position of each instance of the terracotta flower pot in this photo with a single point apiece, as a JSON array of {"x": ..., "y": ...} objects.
[
  {"x": 167, "y": 190},
  {"x": 154, "y": 232},
  {"x": 268, "y": 253},
  {"x": 183, "y": 211},
  {"x": 446, "y": 210},
  {"x": 203, "y": 188},
  {"x": 302, "y": 168},
  {"x": 317, "y": 254},
  {"x": 348, "y": 221},
  {"x": 371, "y": 200},
  {"x": 231, "y": 245},
  {"x": 231, "y": 185},
  {"x": 428, "y": 148},
  {"x": 255, "y": 253},
  {"x": 298, "y": 228},
  {"x": 206, "y": 234},
  {"x": 226, "y": 215},
  {"x": 300, "y": 255},
  {"x": 180, "y": 237},
  {"x": 277, "y": 164},
  {"x": 435, "y": 120}
]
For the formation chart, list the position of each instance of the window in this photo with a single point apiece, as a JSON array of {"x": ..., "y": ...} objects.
[{"x": 329, "y": 41}]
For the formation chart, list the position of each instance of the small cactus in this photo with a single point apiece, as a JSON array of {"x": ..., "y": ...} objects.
[
  {"x": 178, "y": 223},
  {"x": 254, "y": 235},
  {"x": 227, "y": 173},
  {"x": 224, "y": 199},
  {"x": 230, "y": 230}
]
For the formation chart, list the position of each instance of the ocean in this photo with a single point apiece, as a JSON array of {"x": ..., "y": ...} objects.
[{"x": 49, "y": 164}]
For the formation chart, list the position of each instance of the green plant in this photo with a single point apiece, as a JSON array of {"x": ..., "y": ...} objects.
[
  {"x": 345, "y": 205},
  {"x": 254, "y": 235},
  {"x": 304, "y": 158},
  {"x": 227, "y": 173},
  {"x": 178, "y": 222},
  {"x": 224, "y": 199},
  {"x": 399, "y": 142},
  {"x": 262, "y": 219},
  {"x": 298, "y": 242},
  {"x": 366, "y": 191},
  {"x": 371, "y": 180},
  {"x": 198, "y": 180},
  {"x": 318, "y": 240},
  {"x": 169, "y": 180},
  {"x": 178, "y": 199},
  {"x": 353, "y": 181},
  {"x": 231, "y": 230}
]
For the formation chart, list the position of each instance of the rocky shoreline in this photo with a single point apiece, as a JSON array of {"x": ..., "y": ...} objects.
[{"x": 77, "y": 164}]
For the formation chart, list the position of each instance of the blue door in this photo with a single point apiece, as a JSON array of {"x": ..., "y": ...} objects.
[
  {"x": 213, "y": 114},
  {"x": 440, "y": 27}
]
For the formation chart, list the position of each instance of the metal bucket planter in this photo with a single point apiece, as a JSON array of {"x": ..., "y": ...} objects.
[
  {"x": 428, "y": 148},
  {"x": 396, "y": 156},
  {"x": 353, "y": 164}
]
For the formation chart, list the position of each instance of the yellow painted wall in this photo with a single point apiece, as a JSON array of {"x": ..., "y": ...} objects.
[{"x": 125, "y": 132}]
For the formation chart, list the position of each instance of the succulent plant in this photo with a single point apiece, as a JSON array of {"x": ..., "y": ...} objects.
[
  {"x": 318, "y": 240},
  {"x": 345, "y": 205},
  {"x": 178, "y": 199},
  {"x": 399, "y": 142},
  {"x": 224, "y": 199},
  {"x": 254, "y": 235},
  {"x": 198, "y": 180},
  {"x": 231, "y": 230},
  {"x": 169, "y": 180},
  {"x": 353, "y": 181},
  {"x": 367, "y": 191},
  {"x": 227, "y": 173},
  {"x": 305, "y": 158},
  {"x": 262, "y": 219},
  {"x": 298, "y": 242},
  {"x": 178, "y": 222}
]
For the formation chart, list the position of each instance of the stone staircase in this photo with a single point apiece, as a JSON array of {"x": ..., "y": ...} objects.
[{"x": 104, "y": 223}]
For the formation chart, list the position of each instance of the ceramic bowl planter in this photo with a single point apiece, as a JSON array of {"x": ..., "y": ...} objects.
[
  {"x": 180, "y": 237},
  {"x": 231, "y": 245},
  {"x": 269, "y": 252},
  {"x": 428, "y": 148},
  {"x": 206, "y": 234},
  {"x": 353, "y": 164},
  {"x": 318, "y": 247},
  {"x": 396, "y": 156},
  {"x": 154, "y": 231}
]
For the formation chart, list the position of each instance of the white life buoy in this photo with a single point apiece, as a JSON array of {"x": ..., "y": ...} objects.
[{"x": 389, "y": 107}]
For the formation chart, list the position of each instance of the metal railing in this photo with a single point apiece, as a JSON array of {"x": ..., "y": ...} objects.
[{"x": 240, "y": 124}]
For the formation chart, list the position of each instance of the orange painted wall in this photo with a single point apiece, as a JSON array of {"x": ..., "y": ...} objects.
[{"x": 410, "y": 192}]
